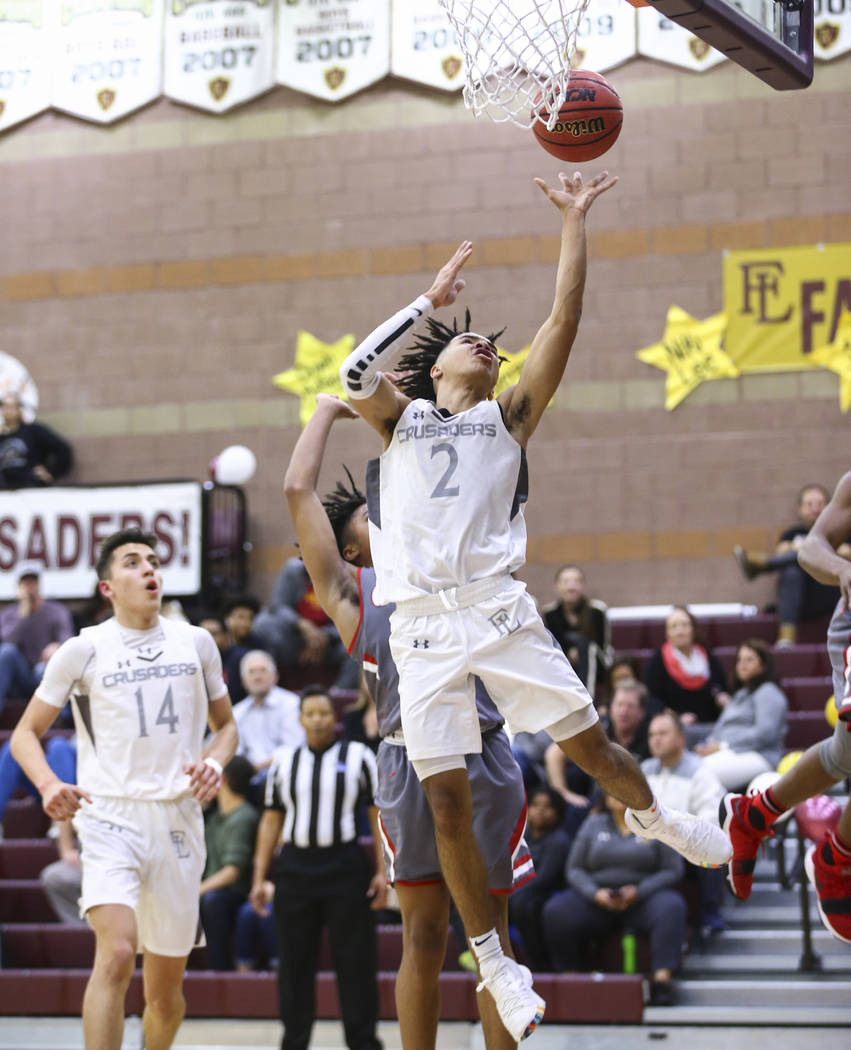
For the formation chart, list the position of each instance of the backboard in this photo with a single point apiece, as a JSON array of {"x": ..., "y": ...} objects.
[{"x": 773, "y": 39}]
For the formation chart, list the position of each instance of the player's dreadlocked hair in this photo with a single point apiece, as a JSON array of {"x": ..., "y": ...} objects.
[
  {"x": 415, "y": 380},
  {"x": 340, "y": 504}
]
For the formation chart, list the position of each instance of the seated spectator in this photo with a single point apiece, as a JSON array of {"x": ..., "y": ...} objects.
[
  {"x": 616, "y": 883},
  {"x": 799, "y": 596},
  {"x": 229, "y": 833},
  {"x": 680, "y": 779},
  {"x": 61, "y": 755},
  {"x": 748, "y": 737},
  {"x": 579, "y": 624},
  {"x": 268, "y": 718},
  {"x": 62, "y": 881},
  {"x": 31, "y": 454},
  {"x": 627, "y": 720},
  {"x": 30, "y": 633},
  {"x": 548, "y": 845},
  {"x": 684, "y": 675},
  {"x": 214, "y": 625},
  {"x": 240, "y": 612},
  {"x": 298, "y": 633}
]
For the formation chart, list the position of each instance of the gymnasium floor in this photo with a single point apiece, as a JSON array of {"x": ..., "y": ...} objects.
[{"x": 60, "y": 1034}]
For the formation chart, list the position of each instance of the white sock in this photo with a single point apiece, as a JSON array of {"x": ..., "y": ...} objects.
[
  {"x": 487, "y": 950},
  {"x": 647, "y": 816}
]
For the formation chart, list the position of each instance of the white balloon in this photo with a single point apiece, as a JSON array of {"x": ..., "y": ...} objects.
[{"x": 234, "y": 465}]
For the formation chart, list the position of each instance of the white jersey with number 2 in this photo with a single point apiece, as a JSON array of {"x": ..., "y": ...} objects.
[
  {"x": 445, "y": 501},
  {"x": 140, "y": 701}
]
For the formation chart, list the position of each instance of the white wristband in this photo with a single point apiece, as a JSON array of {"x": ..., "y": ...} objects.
[{"x": 214, "y": 764}]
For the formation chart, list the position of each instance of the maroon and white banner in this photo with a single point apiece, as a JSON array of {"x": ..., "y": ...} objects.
[
  {"x": 107, "y": 57},
  {"x": 25, "y": 63},
  {"x": 219, "y": 53},
  {"x": 332, "y": 50},
  {"x": 831, "y": 28},
  {"x": 606, "y": 36},
  {"x": 424, "y": 45},
  {"x": 61, "y": 529},
  {"x": 664, "y": 40}
]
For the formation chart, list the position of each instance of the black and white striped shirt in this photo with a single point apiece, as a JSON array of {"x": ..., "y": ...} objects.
[{"x": 319, "y": 792}]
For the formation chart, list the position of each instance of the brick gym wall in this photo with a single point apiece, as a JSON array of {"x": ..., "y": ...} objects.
[{"x": 155, "y": 274}]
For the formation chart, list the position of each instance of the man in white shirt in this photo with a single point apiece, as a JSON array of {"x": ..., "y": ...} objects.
[
  {"x": 268, "y": 718},
  {"x": 143, "y": 689},
  {"x": 681, "y": 780}
]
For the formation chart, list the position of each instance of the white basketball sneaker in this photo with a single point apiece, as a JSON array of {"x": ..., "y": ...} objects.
[
  {"x": 520, "y": 1007},
  {"x": 697, "y": 840}
]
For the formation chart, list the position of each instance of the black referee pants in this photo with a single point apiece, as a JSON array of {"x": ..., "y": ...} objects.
[{"x": 305, "y": 901}]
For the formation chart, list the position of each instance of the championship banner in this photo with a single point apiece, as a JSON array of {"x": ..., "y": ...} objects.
[
  {"x": 219, "y": 53},
  {"x": 61, "y": 529},
  {"x": 831, "y": 28},
  {"x": 606, "y": 36},
  {"x": 25, "y": 63},
  {"x": 424, "y": 45},
  {"x": 665, "y": 41},
  {"x": 107, "y": 57},
  {"x": 784, "y": 303},
  {"x": 332, "y": 51}
]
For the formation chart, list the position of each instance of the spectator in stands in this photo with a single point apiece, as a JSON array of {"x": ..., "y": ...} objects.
[
  {"x": 548, "y": 845},
  {"x": 322, "y": 876},
  {"x": 748, "y": 737},
  {"x": 215, "y": 626},
  {"x": 61, "y": 756},
  {"x": 268, "y": 718},
  {"x": 297, "y": 631},
  {"x": 685, "y": 676},
  {"x": 680, "y": 778},
  {"x": 799, "y": 596},
  {"x": 31, "y": 454},
  {"x": 62, "y": 881},
  {"x": 627, "y": 720},
  {"x": 617, "y": 882},
  {"x": 30, "y": 633},
  {"x": 229, "y": 832},
  {"x": 239, "y": 612},
  {"x": 579, "y": 624}
]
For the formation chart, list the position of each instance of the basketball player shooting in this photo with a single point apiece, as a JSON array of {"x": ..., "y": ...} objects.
[{"x": 447, "y": 532}]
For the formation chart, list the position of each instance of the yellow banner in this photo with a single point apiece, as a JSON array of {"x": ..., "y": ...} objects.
[{"x": 782, "y": 304}]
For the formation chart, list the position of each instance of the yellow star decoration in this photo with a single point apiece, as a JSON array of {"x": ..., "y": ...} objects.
[
  {"x": 509, "y": 371},
  {"x": 316, "y": 370},
  {"x": 690, "y": 352},
  {"x": 837, "y": 357}
]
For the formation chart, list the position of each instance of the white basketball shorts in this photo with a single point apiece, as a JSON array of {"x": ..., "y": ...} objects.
[
  {"x": 149, "y": 856},
  {"x": 494, "y": 631}
]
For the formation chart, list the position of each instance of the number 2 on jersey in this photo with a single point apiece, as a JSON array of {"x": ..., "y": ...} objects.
[
  {"x": 442, "y": 487},
  {"x": 165, "y": 715}
]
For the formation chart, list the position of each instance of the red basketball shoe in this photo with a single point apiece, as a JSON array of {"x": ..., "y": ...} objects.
[
  {"x": 746, "y": 825},
  {"x": 830, "y": 873}
]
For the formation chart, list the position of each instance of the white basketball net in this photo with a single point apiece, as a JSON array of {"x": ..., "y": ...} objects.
[{"x": 516, "y": 54}]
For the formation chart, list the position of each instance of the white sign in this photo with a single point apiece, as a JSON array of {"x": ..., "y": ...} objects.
[
  {"x": 424, "y": 45},
  {"x": 832, "y": 28},
  {"x": 219, "y": 53},
  {"x": 25, "y": 65},
  {"x": 62, "y": 529},
  {"x": 606, "y": 36},
  {"x": 664, "y": 40},
  {"x": 107, "y": 57},
  {"x": 333, "y": 48}
]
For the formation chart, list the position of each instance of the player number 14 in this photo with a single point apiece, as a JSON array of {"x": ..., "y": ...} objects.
[{"x": 165, "y": 715}]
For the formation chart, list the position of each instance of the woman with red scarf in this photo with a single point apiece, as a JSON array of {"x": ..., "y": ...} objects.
[{"x": 684, "y": 675}]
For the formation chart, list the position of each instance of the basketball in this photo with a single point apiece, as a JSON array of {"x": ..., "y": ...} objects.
[{"x": 589, "y": 120}]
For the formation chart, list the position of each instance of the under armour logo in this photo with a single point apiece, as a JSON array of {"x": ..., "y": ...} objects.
[
  {"x": 418, "y": 414},
  {"x": 150, "y": 655},
  {"x": 501, "y": 620},
  {"x": 420, "y": 643},
  {"x": 124, "y": 663},
  {"x": 178, "y": 839}
]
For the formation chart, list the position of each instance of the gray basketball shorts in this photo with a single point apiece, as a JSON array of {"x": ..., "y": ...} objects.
[
  {"x": 835, "y": 752},
  {"x": 499, "y": 816}
]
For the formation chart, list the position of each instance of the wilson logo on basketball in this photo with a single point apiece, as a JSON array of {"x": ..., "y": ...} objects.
[{"x": 580, "y": 127}]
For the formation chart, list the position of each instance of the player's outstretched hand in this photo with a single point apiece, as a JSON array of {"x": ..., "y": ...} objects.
[
  {"x": 340, "y": 409},
  {"x": 446, "y": 286},
  {"x": 61, "y": 801},
  {"x": 204, "y": 781},
  {"x": 575, "y": 195}
]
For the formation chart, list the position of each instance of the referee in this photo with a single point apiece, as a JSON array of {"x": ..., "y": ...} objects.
[{"x": 322, "y": 876}]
